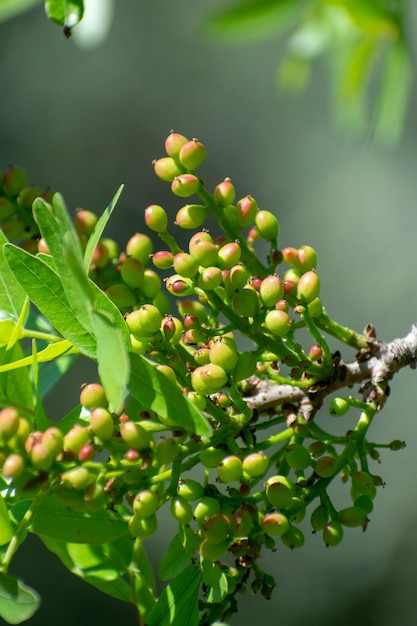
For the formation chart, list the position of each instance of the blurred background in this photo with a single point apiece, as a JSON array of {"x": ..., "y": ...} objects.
[{"x": 84, "y": 120}]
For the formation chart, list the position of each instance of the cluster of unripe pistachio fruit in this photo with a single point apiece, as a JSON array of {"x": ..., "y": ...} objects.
[{"x": 249, "y": 495}]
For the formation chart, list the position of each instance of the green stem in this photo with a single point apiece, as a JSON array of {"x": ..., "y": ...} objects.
[
  {"x": 27, "y": 333},
  {"x": 170, "y": 242},
  {"x": 344, "y": 334},
  {"x": 318, "y": 338}
]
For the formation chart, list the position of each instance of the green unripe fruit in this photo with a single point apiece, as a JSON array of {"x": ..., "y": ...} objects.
[
  {"x": 202, "y": 356},
  {"x": 213, "y": 551},
  {"x": 100, "y": 256},
  {"x": 77, "y": 477},
  {"x": 197, "y": 400},
  {"x": 28, "y": 195},
  {"x": 178, "y": 285},
  {"x": 210, "y": 278},
  {"x": 293, "y": 538},
  {"x": 275, "y": 524},
  {"x": 271, "y": 290},
  {"x": 53, "y": 441},
  {"x": 139, "y": 347},
  {"x": 308, "y": 287},
  {"x": 246, "y": 302},
  {"x": 182, "y": 510},
  {"x": 102, "y": 424},
  {"x": 277, "y": 323},
  {"x": 230, "y": 469},
  {"x": 173, "y": 144},
  {"x": 203, "y": 249},
  {"x": 9, "y": 423},
  {"x": 207, "y": 507},
  {"x": 236, "y": 278},
  {"x": 135, "y": 435},
  {"x": 145, "y": 321},
  {"x": 243, "y": 520},
  {"x": 172, "y": 329},
  {"x": 363, "y": 483},
  {"x": 7, "y": 208},
  {"x": 224, "y": 193},
  {"x": 339, "y": 406},
  {"x": 163, "y": 259},
  {"x": 208, "y": 379},
  {"x": 75, "y": 439},
  {"x": 245, "y": 366},
  {"x": 229, "y": 255},
  {"x": 21, "y": 435},
  {"x": 140, "y": 247},
  {"x": 223, "y": 353},
  {"x": 279, "y": 491},
  {"x": 365, "y": 503},
  {"x": 319, "y": 518},
  {"x": 190, "y": 489},
  {"x": 217, "y": 529},
  {"x": 151, "y": 286},
  {"x": 145, "y": 503},
  {"x": 307, "y": 258},
  {"x": 111, "y": 247},
  {"x": 142, "y": 527},
  {"x": 85, "y": 222},
  {"x": 326, "y": 466},
  {"x": 332, "y": 534},
  {"x": 297, "y": 456},
  {"x": 166, "y": 451},
  {"x": 40, "y": 458},
  {"x": 185, "y": 264},
  {"x": 246, "y": 210},
  {"x": 156, "y": 218},
  {"x": 185, "y": 185},
  {"x": 192, "y": 154},
  {"x": 13, "y": 228},
  {"x": 93, "y": 396},
  {"x": 167, "y": 169},
  {"x": 195, "y": 308},
  {"x": 14, "y": 180},
  {"x": 13, "y": 466},
  {"x": 353, "y": 516},
  {"x": 191, "y": 216},
  {"x": 211, "y": 457},
  {"x": 255, "y": 464},
  {"x": 122, "y": 296},
  {"x": 131, "y": 272},
  {"x": 267, "y": 225}
]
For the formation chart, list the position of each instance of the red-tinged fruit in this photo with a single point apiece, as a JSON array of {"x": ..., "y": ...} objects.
[
  {"x": 185, "y": 185},
  {"x": 156, "y": 218},
  {"x": 192, "y": 154}
]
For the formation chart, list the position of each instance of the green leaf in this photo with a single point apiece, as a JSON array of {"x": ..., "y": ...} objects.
[
  {"x": 12, "y": 295},
  {"x": 16, "y": 334},
  {"x": 218, "y": 583},
  {"x": 174, "y": 560},
  {"x": 113, "y": 360},
  {"x": 52, "y": 351},
  {"x": 6, "y": 529},
  {"x": 99, "y": 228},
  {"x": 178, "y": 603},
  {"x": 16, "y": 384},
  {"x": 253, "y": 19},
  {"x": 94, "y": 564},
  {"x": 17, "y": 601},
  {"x": 52, "y": 371},
  {"x": 157, "y": 393},
  {"x": 103, "y": 304},
  {"x": 45, "y": 290},
  {"x": 59, "y": 234},
  {"x": 54, "y": 520},
  {"x": 65, "y": 12}
]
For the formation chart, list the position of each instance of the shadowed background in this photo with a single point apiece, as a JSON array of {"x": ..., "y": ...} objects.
[{"x": 84, "y": 121}]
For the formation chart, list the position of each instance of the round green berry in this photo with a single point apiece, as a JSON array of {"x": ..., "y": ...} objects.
[
  {"x": 181, "y": 510},
  {"x": 191, "y": 216},
  {"x": 190, "y": 489},
  {"x": 140, "y": 247},
  {"x": 279, "y": 491},
  {"x": 353, "y": 516},
  {"x": 208, "y": 379},
  {"x": 173, "y": 144},
  {"x": 326, "y": 466},
  {"x": 131, "y": 272},
  {"x": 156, "y": 218},
  {"x": 275, "y": 524},
  {"x": 93, "y": 396},
  {"x": 75, "y": 439},
  {"x": 85, "y": 222},
  {"x": 297, "y": 456},
  {"x": 229, "y": 255},
  {"x": 217, "y": 528},
  {"x": 255, "y": 464},
  {"x": 332, "y": 534},
  {"x": 293, "y": 538},
  {"x": 135, "y": 435},
  {"x": 271, "y": 290},
  {"x": 246, "y": 302},
  {"x": 185, "y": 185},
  {"x": 307, "y": 258},
  {"x": 363, "y": 483},
  {"x": 230, "y": 469},
  {"x": 339, "y": 406},
  {"x": 213, "y": 551},
  {"x": 267, "y": 225},
  {"x": 319, "y": 518},
  {"x": 277, "y": 323},
  {"x": 167, "y": 169},
  {"x": 211, "y": 457},
  {"x": 145, "y": 503},
  {"x": 205, "y": 508},
  {"x": 308, "y": 287},
  {"x": 143, "y": 527},
  {"x": 192, "y": 154},
  {"x": 223, "y": 353},
  {"x": 224, "y": 193},
  {"x": 246, "y": 209},
  {"x": 102, "y": 424}
]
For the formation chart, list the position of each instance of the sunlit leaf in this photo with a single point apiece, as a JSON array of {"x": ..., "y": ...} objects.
[
  {"x": 17, "y": 601},
  {"x": 51, "y": 352},
  {"x": 15, "y": 384},
  {"x": 99, "y": 228},
  {"x": 6, "y": 529},
  {"x": 157, "y": 393},
  {"x": 178, "y": 603},
  {"x": 12, "y": 294},
  {"x": 174, "y": 559}
]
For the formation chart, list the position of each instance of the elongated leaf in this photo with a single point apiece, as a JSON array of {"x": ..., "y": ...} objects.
[
  {"x": 51, "y": 352},
  {"x": 6, "y": 530},
  {"x": 174, "y": 560},
  {"x": 18, "y": 329},
  {"x": 58, "y": 232},
  {"x": 51, "y": 372},
  {"x": 99, "y": 228},
  {"x": 178, "y": 603},
  {"x": 103, "y": 304},
  {"x": 65, "y": 12},
  {"x": 253, "y": 19},
  {"x": 16, "y": 384},
  {"x": 44, "y": 288},
  {"x": 157, "y": 393},
  {"x": 54, "y": 520},
  {"x": 113, "y": 360},
  {"x": 12, "y": 295},
  {"x": 17, "y": 601},
  {"x": 94, "y": 565}
]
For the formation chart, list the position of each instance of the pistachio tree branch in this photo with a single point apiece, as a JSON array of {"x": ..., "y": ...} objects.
[{"x": 373, "y": 367}]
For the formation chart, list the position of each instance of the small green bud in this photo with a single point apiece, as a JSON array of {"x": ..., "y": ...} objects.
[{"x": 156, "y": 218}]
